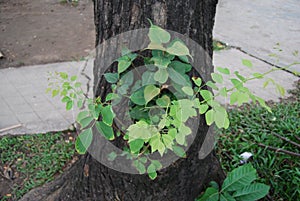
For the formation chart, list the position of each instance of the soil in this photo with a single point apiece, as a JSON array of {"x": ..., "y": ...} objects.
[{"x": 39, "y": 32}]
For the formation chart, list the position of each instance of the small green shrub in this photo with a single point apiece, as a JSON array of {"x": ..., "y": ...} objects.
[{"x": 168, "y": 66}]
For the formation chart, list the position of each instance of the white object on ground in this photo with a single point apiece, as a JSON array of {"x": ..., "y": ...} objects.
[{"x": 245, "y": 156}]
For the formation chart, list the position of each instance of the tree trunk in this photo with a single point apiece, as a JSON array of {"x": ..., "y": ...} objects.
[{"x": 88, "y": 179}]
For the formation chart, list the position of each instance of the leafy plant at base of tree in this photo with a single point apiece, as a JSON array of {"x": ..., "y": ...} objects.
[
  {"x": 239, "y": 185},
  {"x": 167, "y": 129}
]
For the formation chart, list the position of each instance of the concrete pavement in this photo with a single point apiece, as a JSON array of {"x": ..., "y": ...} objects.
[
  {"x": 27, "y": 108},
  {"x": 254, "y": 26}
]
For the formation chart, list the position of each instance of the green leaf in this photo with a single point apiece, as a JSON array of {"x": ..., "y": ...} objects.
[
  {"x": 151, "y": 168},
  {"x": 79, "y": 103},
  {"x": 258, "y": 75},
  {"x": 64, "y": 92},
  {"x": 223, "y": 92},
  {"x": 185, "y": 130},
  {"x": 197, "y": 81},
  {"x": 243, "y": 98},
  {"x": 157, "y": 144},
  {"x": 188, "y": 90},
  {"x": 239, "y": 178},
  {"x": 108, "y": 115},
  {"x": 138, "y": 112},
  {"x": 168, "y": 140},
  {"x": 112, "y": 156},
  {"x": 172, "y": 132},
  {"x": 143, "y": 159},
  {"x": 161, "y": 75},
  {"x": 177, "y": 77},
  {"x": 266, "y": 83},
  {"x": 218, "y": 78},
  {"x": 161, "y": 59},
  {"x": 63, "y": 75},
  {"x": 152, "y": 175},
  {"x": 150, "y": 92},
  {"x": 65, "y": 99},
  {"x": 234, "y": 97},
  {"x": 123, "y": 65},
  {"x": 213, "y": 103},
  {"x": 111, "y": 96},
  {"x": 247, "y": 63},
  {"x": 81, "y": 115},
  {"x": 184, "y": 59},
  {"x": 158, "y": 35},
  {"x": 105, "y": 130},
  {"x": 226, "y": 197},
  {"x": 148, "y": 78},
  {"x": 185, "y": 110},
  {"x": 221, "y": 117},
  {"x": 157, "y": 164},
  {"x": 86, "y": 121},
  {"x": 66, "y": 85},
  {"x": 237, "y": 84},
  {"x": 206, "y": 95},
  {"x": 180, "y": 138},
  {"x": 69, "y": 105},
  {"x": 179, "y": 151},
  {"x": 136, "y": 145},
  {"x": 212, "y": 85},
  {"x": 252, "y": 192},
  {"x": 280, "y": 89},
  {"x": 139, "y": 166},
  {"x": 178, "y": 48},
  {"x": 214, "y": 185},
  {"x": 83, "y": 141},
  {"x": 180, "y": 67},
  {"x": 141, "y": 130},
  {"x": 210, "y": 194},
  {"x": 73, "y": 78},
  {"x": 155, "y": 46},
  {"x": 223, "y": 70},
  {"x": 164, "y": 101},
  {"x": 77, "y": 84},
  {"x": 242, "y": 78},
  {"x": 55, "y": 92},
  {"x": 209, "y": 117},
  {"x": 111, "y": 77},
  {"x": 263, "y": 104},
  {"x": 127, "y": 79},
  {"x": 203, "y": 108},
  {"x": 138, "y": 97}
]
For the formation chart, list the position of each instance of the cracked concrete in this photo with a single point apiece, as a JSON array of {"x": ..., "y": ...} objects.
[{"x": 257, "y": 26}]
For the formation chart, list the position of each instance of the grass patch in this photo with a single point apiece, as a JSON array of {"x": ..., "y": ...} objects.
[
  {"x": 251, "y": 130},
  {"x": 29, "y": 161}
]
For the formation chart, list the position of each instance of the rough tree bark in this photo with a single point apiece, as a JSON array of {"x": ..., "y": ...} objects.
[{"x": 87, "y": 179}]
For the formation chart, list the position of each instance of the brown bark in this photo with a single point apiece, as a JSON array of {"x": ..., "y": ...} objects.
[{"x": 186, "y": 178}]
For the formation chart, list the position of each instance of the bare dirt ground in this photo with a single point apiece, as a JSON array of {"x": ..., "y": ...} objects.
[{"x": 38, "y": 32}]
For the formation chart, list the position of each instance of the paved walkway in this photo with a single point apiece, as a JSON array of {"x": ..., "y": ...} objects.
[
  {"x": 254, "y": 26},
  {"x": 26, "y": 106}
]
